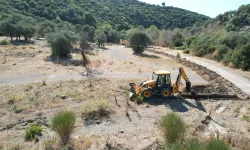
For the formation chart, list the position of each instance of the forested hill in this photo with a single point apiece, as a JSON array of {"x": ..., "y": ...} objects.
[{"x": 121, "y": 14}]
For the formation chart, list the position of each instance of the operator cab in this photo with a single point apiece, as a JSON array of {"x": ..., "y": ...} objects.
[{"x": 162, "y": 78}]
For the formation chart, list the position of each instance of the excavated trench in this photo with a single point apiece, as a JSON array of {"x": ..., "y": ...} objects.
[{"x": 217, "y": 87}]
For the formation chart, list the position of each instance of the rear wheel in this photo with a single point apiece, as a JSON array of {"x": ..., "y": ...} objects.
[
  {"x": 146, "y": 93},
  {"x": 165, "y": 92}
]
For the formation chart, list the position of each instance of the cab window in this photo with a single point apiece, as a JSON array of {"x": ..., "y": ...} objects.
[{"x": 163, "y": 79}]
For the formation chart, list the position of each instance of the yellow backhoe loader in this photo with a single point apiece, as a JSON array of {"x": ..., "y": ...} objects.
[{"x": 160, "y": 85}]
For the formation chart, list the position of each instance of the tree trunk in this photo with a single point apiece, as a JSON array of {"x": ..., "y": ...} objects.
[
  {"x": 11, "y": 38},
  {"x": 84, "y": 59},
  {"x": 26, "y": 38}
]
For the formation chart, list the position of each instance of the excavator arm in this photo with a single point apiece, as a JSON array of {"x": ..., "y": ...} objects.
[{"x": 176, "y": 86}]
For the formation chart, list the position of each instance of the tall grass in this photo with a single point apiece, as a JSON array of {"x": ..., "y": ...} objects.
[
  {"x": 217, "y": 144},
  {"x": 173, "y": 127},
  {"x": 63, "y": 124}
]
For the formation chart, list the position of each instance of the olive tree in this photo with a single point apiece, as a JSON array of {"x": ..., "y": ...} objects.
[
  {"x": 100, "y": 38},
  {"x": 61, "y": 42},
  {"x": 138, "y": 42}
]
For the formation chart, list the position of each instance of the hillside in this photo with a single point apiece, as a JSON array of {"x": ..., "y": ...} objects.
[
  {"x": 225, "y": 38},
  {"x": 121, "y": 14}
]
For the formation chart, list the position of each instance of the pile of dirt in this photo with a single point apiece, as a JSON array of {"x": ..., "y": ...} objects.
[{"x": 217, "y": 84}]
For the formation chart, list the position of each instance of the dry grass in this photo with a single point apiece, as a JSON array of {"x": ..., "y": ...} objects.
[
  {"x": 43, "y": 80},
  {"x": 82, "y": 143},
  {"x": 95, "y": 108},
  {"x": 4, "y": 58}
]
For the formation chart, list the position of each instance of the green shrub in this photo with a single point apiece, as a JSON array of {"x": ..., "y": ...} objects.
[
  {"x": 63, "y": 124},
  {"x": 4, "y": 42},
  {"x": 61, "y": 42},
  {"x": 217, "y": 144},
  {"x": 17, "y": 109},
  {"x": 221, "y": 50},
  {"x": 33, "y": 132},
  {"x": 178, "y": 39},
  {"x": 173, "y": 127},
  {"x": 138, "y": 41},
  {"x": 138, "y": 99},
  {"x": 193, "y": 145}
]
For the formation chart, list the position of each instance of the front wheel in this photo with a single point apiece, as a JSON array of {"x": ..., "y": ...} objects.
[
  {"x": 165, "y": 92},
  {"x": 146, "y": 93}
]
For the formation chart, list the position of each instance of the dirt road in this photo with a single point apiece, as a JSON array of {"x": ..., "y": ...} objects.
[
  {"x": 230, "y": 74},
  {"x": 119, "y": 56}
]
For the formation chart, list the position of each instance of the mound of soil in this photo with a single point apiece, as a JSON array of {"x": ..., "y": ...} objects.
[{"x": 217, "y": 84}]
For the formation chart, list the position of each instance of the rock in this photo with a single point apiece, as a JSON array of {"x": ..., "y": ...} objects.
[
  {"x": 63, "y": 96},
  {"x": 121, "y": 131},
  {"x": 147, "y": 106},
  {"x": 98, "y": 122},
  {"x": 25, "y": 124}
]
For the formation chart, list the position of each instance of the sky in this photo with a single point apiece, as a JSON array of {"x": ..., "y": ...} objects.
[{"x": 210, "y": 8}]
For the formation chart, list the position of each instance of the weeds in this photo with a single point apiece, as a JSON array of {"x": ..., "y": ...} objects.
[
  {"x": 217, "y": 144},
  {"x": 15, "y": 147},
  {"x": 95, "y": 108},
  {"x": 49, "y": 144},
  {"x": 31, "y": 47},
  {"x": 173, "y": 127},
  {"x": 17, "y": 109},
  {"x": 63, "y": 124},
  {"x": 138, "y": 99},
  {"x": 33, "y": 133},
  {"x": 246, "y": 118},
  {"x": 11, "y": 100}
]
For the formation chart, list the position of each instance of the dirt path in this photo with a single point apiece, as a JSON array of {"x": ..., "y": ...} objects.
[
  {"x": 117, "y": 54},
  {"x": 228, "y": 73}
]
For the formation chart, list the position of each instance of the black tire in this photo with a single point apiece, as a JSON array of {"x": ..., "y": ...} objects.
[
  {"x": 166, "y": 92},
  {"x": 147, "y": 93}
]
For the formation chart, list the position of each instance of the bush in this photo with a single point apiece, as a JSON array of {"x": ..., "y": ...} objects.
[
  {"x": 186, "y": 51},
  {"x": 220, "y": 51},
  {"x": 173, "y": 127},
  {"x": 61, "y": 42},
  {"x": 139, "y": 41},
  {"x": 33, "y": 132},
  {"x": 178, "y": 39},
  {"x": 100, "y": 38},
  {"x": 4, "y": 42},
  {"x": 95, "y": 108},
  {"x": 217, "y": 144},
  {"x": 63, "y": 124}
]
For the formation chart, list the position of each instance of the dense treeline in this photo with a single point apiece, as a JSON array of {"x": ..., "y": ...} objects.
[
  {"x": 225, "y": 39},
  {"x": 120, "y": 14}
]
